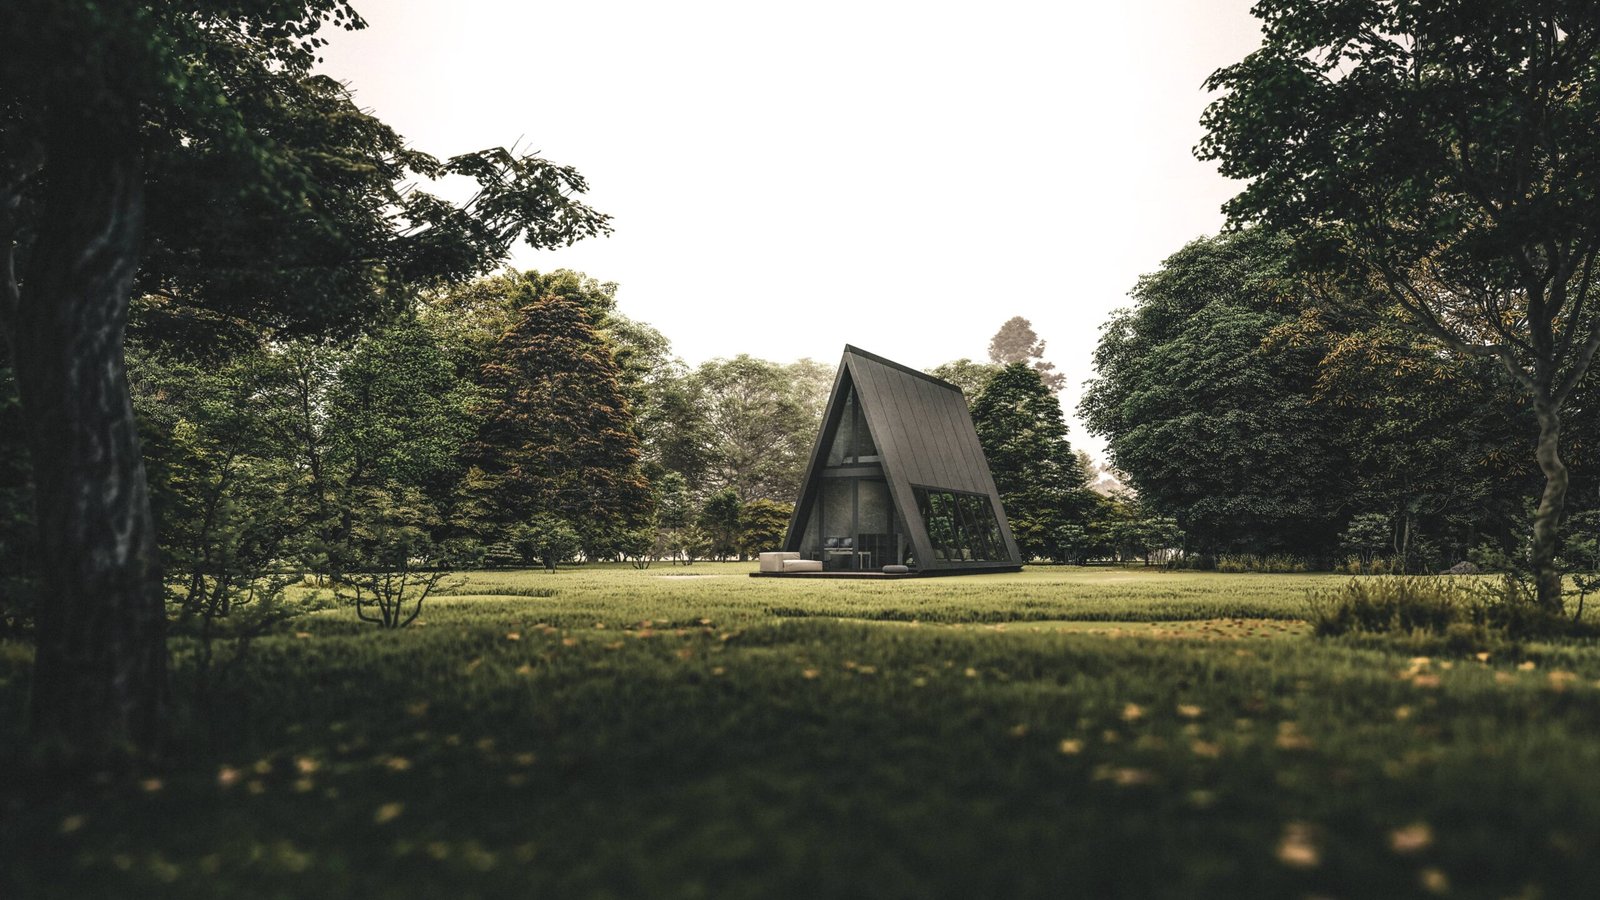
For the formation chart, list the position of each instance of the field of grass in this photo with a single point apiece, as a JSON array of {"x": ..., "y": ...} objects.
[{"x": 1053, "y": 733}]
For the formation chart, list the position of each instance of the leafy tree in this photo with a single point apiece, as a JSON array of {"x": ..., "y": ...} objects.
[
  {"x": 1016, "y": 342},
  {"x": 1213, "y": 424},
  {"x": 1024, "y": 435},
  {"x": 1367, "y": 536},
  {"x": 971, "y": 377},
  {"x": 401, "y": 563},
  {"x": 719, "y": 520},
  {"x": 1144, "y": 537},
  {"x": 223, "y": 484},
  {"x": 470, "y": 318},
  {"x": 398, "y": 413},
  {"x": 549, "y": 539},
  {"x": 813, "y": 384},
  {"x": 689, "y": 543},
  {"x": 760, "y": 421},
  {"x": 1433, "y": 439},
  {"x": 1451, "y": 156},
  {"x": 763, "y": 524},
  {"x": 674, "y": 506},
  {"x": 675, "y": 427},
  {"x": 557, "y": 435},
  {"x": 271, "y": 197}
]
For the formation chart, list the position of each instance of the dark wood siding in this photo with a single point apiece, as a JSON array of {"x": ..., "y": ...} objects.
[{"x": 925, "y": 435}]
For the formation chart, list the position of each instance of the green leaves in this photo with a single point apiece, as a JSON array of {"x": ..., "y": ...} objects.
[{"x": 1024, "y": 437}]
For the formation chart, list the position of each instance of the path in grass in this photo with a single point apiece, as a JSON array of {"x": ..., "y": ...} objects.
[{"x": 1050, "y": 733}]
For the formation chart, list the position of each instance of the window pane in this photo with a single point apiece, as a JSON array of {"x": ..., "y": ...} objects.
[
  {"x": 842, "y": 449},
  {"x": 961, "y": 527},
  {"x": 864, "y": 442}
]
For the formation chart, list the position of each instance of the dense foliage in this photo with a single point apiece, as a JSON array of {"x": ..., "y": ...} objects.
[
  {"x": 1271, "y": 413},
  {"x": 1447, "y": 156},
  {"x": 1041, "y": 481}
]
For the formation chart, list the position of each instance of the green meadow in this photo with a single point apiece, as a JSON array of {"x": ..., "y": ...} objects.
[{"x": 687, "y": 732}]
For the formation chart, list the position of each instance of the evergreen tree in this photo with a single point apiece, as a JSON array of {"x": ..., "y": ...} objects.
[
  {"x": 557, "y": 437},
  {"x": 763, "y": 525},
  {"x": 1016, "y": 342},
  {"x": 971, "y": 377},
  {"x": 719, "y": 519},
  {"x": 1041, "y": 481}
]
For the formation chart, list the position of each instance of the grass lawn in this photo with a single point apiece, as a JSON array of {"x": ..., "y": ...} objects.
[{"x": 1053, "y": 733}]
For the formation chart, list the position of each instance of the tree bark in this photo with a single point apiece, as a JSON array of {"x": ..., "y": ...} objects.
[
  {"x": 99, "y": 677},
  {"x": 1547, "y": 518}
]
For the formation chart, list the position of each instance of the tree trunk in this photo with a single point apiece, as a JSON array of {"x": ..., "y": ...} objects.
[
  {"x": 99, "y": 677},
  {"x": 1547, "y": 519}
]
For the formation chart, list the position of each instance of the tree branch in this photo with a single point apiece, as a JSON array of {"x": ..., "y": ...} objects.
[{"x": 1406, "y": 295}]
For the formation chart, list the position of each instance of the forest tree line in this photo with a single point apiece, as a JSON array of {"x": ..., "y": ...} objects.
[{"x": 1271, "y": 413}]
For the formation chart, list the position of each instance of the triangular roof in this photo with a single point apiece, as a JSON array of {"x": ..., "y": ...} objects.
[{"x": 925, "y": 437}]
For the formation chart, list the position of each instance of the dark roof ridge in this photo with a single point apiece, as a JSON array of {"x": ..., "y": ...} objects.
[{"x": 901, "y": 367}]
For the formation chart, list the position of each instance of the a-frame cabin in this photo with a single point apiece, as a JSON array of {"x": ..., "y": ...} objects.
[{"x": 897, "y": 477}]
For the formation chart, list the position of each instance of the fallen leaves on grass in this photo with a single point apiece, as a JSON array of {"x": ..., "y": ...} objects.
[
  {"x": 1124, "y": 776},
  {"x": 1189, "y": 710},
  {"x": 1297, "y": 848},
  {"x": 1413, "y": 838},
  {"x": 1133, "y": 712},
  {"x": 1070, "y": 746},
  {"x": 1290, "y": 738},
  {"x": 388, "y": 812}
]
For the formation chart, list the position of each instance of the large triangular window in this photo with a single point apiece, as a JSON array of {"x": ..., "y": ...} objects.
[{"x": 852, "y": 442}]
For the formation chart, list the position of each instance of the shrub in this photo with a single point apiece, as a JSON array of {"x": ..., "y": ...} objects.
[
  {"x": 1389, "y": 604},
  {"x": 1462, "y": 611},
  {"x": 1251, "y": 562}
]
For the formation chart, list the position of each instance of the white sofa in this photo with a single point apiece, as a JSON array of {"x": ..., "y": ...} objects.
[
  {"x": 773, "y": 561},
  {"x": 802, "y": 565}
]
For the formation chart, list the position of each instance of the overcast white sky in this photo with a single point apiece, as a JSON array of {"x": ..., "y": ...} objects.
[{"x": 786, "y": 179}]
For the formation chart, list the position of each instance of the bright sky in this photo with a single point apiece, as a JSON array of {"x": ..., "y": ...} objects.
[{"x": 786, "y": 179}]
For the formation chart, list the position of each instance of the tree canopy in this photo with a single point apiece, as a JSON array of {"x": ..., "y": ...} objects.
[
  {"x": 1447, "y": 154},
  {"x": 1041, "y": 481},
  {"x": 1209, "y": 426},
  {"x": 187, "y": 153}
]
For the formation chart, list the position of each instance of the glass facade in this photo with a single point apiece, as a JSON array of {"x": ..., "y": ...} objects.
[
  {"x": 961, "y": 526},
  {"x": 852, "y": 525},
  {"x": 852, "y": 443}
]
